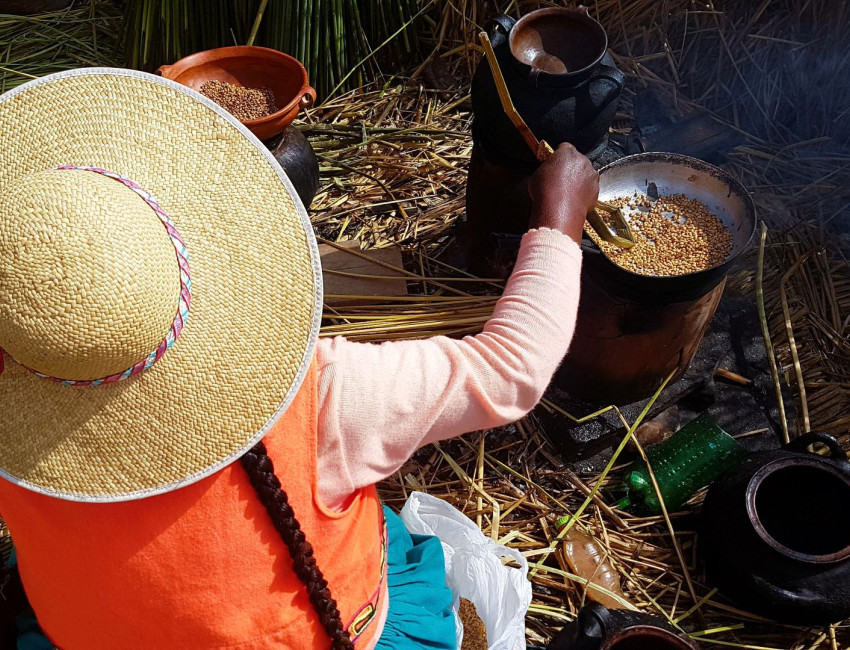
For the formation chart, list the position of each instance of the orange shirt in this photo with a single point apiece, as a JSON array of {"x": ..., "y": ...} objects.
[{"x": 202, "y": 566}]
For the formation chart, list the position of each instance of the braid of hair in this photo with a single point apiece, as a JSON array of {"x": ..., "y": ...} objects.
[{"x": 260, "y": 471}]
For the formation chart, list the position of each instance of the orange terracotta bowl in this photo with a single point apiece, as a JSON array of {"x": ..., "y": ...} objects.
[{"x": 250, "y": 67}]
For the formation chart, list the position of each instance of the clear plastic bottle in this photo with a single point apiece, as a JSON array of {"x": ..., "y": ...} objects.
[{"x": 587, "y": 559}]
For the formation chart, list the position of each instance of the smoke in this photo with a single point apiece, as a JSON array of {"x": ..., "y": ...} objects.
[{"x": 776, "y": 71}]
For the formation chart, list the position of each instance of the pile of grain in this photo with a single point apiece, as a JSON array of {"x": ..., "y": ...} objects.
[
  {"x": 674, "y": 235},
  {"x": 244, "y": 104},
  {"x": 474, "y": 632}
]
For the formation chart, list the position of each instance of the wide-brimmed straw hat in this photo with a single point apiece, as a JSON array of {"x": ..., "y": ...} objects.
[{"x": 160, "y": 286}]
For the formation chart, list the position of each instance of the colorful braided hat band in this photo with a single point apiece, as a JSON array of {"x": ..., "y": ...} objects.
[{"x": 185, "y": 290}]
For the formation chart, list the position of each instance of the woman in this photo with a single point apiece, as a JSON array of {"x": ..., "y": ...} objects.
[{"x": 160, "y": 300}]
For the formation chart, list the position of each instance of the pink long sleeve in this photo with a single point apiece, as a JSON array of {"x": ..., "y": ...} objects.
[{"x": 380, "y": 403}]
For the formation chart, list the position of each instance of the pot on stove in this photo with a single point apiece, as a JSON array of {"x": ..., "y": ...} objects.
[
  {"x": 775, "y": 533},
  {"x": 560, "y": 78},
  {"x": 565, "y": 86},
  {"x": 633, "y": 331}
]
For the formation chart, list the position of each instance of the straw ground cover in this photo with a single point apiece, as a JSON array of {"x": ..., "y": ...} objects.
[{"x": 393, "y": 160}]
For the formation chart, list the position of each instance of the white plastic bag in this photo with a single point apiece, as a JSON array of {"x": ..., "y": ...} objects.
[{"x": 474, "y": 570}]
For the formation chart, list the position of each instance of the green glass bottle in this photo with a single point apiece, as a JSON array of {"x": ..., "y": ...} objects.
[{"x": 692, "y": 458}]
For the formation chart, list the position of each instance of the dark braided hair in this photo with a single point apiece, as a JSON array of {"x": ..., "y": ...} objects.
[{"x": 260, "y": 471}]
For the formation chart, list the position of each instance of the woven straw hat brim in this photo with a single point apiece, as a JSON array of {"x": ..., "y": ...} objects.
[{"x": 256, "y": 290}]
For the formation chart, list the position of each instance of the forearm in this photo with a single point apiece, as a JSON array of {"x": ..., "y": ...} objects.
[{"x": 379, "y": 403}]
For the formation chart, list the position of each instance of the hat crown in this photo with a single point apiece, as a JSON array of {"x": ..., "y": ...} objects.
[{"x": 89, "y": 279}]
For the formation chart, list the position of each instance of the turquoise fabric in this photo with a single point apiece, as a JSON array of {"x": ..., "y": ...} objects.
[
  {"x": 29, "y": 633},
  {"x": 420, "y": 614},
  {"x": 30, "y": 636}
]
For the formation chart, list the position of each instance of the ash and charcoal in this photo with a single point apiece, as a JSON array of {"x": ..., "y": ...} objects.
[{"x": 733, "y": 343}]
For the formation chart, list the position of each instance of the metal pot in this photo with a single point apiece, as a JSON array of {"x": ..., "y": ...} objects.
[
  {"x": 632, "y": 330},
  {"x": 561, "y": 81},
  {"x": 598, "y": 628},
  {"x": 776, "y": 533}
]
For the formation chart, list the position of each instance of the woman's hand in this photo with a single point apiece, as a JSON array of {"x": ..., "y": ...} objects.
[{"x": 563, "y": 190}]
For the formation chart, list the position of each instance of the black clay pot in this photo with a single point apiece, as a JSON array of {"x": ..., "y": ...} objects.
[
  {"x": 598, "y": 628},
  {"x": 561, "y": 81},
  {"x": 776, "y": 533},
  {"x": 566, "y": 88},
  {"x": 295, "y": 154}
]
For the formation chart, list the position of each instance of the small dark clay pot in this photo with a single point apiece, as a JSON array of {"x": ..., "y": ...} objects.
[
  {"x": 295, "y": 154},
  {"x": 598, "y": 628},
  {"x": 776, "y": 533}
]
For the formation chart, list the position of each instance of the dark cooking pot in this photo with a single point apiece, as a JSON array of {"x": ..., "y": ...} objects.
[
  {"x": 633, "y": 331},
  {"x": 776, "y": 533},
  {"x": 561, "y": 81},
  {"x": 598, "y": 628},
  {"x": 295, "y": 154}
]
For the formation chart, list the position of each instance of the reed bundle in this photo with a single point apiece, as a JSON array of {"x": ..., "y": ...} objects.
[
  {"x": 86, "y": 34},
  {"x": 335, "y": 39}
]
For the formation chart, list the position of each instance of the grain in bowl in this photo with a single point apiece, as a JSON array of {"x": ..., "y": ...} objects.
[{"x": 245, "y": 104}]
